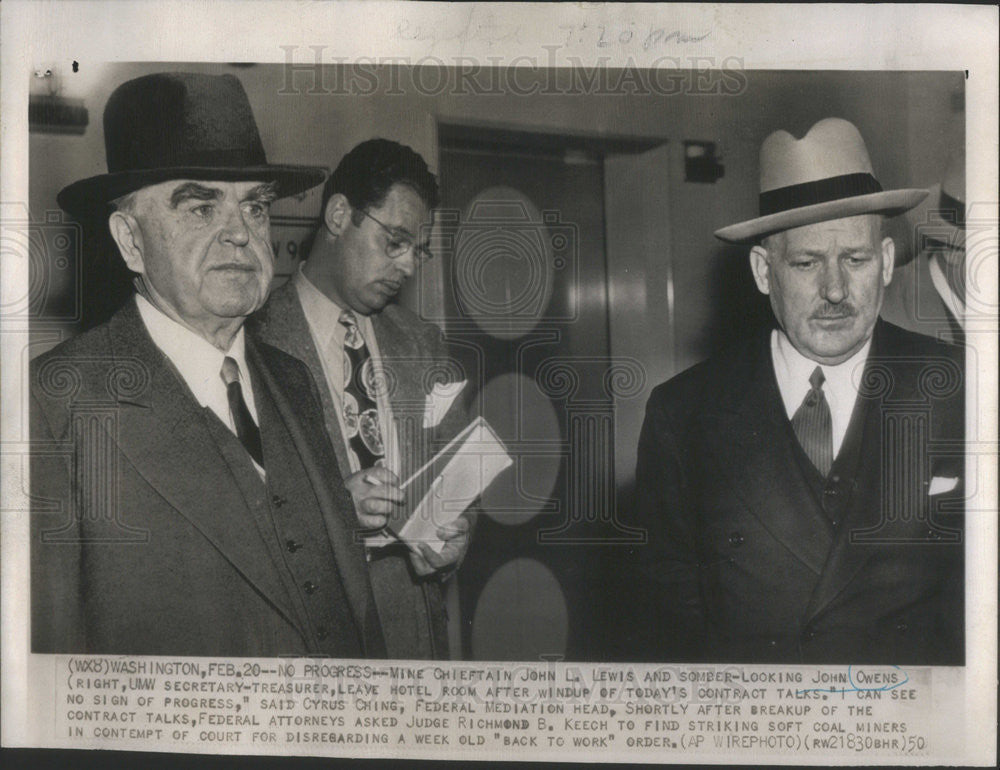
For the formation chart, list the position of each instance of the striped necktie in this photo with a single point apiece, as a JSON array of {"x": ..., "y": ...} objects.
[{"x": 813, "y": 425}]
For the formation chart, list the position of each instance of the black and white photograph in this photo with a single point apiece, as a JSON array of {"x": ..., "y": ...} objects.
[{"x": 502, "y": 381}]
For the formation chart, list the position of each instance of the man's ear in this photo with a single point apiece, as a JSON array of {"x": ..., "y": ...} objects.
[
  {"x": 336, "y": 214},
  {"x": 127, "y": 232},
  {"x": 888, "y": 259},
  {"x": 759, "y": 268}
]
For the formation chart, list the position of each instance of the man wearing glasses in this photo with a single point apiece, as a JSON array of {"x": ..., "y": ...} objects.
[{"x": 374, "y": 363}]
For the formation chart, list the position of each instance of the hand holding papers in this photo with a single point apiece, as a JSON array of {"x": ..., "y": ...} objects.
[
  {"x": 376, "y": 494},
  {"x": 440, "y": 491}
]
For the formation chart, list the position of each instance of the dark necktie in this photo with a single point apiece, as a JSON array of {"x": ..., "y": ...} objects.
[
  {"x": 360, "y": 387},
  {"x": 813, "y": 426},
  {"x": 246, "y": 428}
]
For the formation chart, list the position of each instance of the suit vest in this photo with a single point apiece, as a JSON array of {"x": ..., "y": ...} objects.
[
  {"x": 288, "y": 518},
  {"x": 833, "y": 492}
]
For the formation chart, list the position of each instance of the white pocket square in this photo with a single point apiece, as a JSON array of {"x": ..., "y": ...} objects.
[
  {"x": 439, "y": 401},
  {"x": 942, "y": 484}
]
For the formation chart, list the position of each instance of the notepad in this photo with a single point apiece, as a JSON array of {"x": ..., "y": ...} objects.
[{"x": 441, "y": 490}]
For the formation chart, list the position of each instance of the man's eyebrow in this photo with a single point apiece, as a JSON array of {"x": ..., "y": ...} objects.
[
  {"x": 424, "y": 228},
  {"x": 265, "y": 192},
  {"x": 799, "y": 253},
  {"x": 190, "y": 190},
  {"x": 403, "y": 231}
]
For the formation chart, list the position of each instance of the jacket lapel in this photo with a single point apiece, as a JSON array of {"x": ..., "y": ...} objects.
[
  {"x": 846, "y": 556},
  {"x": 285, "y": 327},
  {"x": 163, "y": 433},
  {"x": 405, "y": 373},
  {"x": 334, "y": 501},
  {"x": 751, "y": 439},
  {"x": 863, "y": 510}
]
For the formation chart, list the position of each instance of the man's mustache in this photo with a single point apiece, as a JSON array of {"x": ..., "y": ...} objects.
[{"x": 828, "y": 311}]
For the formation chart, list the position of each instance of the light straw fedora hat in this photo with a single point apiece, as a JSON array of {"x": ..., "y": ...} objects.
[{"x": 825, "y": 175}]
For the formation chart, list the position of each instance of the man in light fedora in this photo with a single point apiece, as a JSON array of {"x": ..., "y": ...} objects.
[
  {"x": 927, "y": 293},
  {"x": 186, "y": 500},
  {"x": 800, "y": 491}
]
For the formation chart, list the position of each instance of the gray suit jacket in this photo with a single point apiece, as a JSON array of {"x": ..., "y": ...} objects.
[
  {"x": 147, "y": 538},
  {"x": 413, "y": 355}
]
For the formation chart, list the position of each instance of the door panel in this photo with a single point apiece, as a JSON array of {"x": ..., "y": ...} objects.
[{"x": 526, "y": 303}]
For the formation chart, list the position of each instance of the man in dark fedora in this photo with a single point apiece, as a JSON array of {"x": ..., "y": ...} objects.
[
  {"x": 338, "y": 314},
  {"x": 927, "y": 293},
  {"x": 185, "y": 497},
  {"x": 801, "y": 491}
]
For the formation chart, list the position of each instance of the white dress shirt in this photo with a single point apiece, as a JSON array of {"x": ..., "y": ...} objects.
[
  {"x": 950, "y": 299},
  {"x": 200, "y": 363},
  {"x": 323, "y": 317},
  {"x": 792, "y": 370}
]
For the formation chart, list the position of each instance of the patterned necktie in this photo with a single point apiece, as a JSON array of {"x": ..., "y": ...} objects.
[
  {"x": 813, "y": 426},
  {"x": 246, "y": 428},
  {"x": 360, "y": 387}
]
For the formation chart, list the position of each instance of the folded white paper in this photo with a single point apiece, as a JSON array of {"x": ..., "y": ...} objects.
[
  {"x": 439, "y": 401},
  {"x": 440, "y": 491},
  {"x": 941, "y": 484}
]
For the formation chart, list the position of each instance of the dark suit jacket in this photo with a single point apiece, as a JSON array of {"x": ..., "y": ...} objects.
[
  {"x": 744, "y": 561},
  {"x": 413, "y": 352},
  {"x": 151, "y": 535}
]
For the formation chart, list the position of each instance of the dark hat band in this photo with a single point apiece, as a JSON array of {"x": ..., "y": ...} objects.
[
  {"x": 949, "y": 205},
  {"x": 834, "y": 188}
]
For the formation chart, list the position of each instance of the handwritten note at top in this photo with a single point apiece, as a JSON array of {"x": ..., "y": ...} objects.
[
  {"x": 485, "y": 28},
  {"x": 628, "y": 35}
]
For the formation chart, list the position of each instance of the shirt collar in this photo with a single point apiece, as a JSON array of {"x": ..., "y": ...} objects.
[
  {"x": 323, "y": 314},
  {"x": 792, "y": 370},
  {"x": 949, "y": 297},
  {"x": 198, "y": 361}
]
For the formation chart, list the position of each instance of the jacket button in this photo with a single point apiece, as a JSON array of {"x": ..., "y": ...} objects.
[
  {"x": 808, "y": 635},
  {"x": 321, "y": 633},
  {"x": 292, "y": 546},
  {"x": 735, "y": 539},
  {"x": 309, "y": 587},
  {"x": 277, "y": 501},
  {"x": 902, "y": 628},
  {"x": 835, "y": 478}
]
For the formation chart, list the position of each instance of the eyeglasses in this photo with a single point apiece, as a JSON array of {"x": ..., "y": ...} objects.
[{"x": 400, "y": 243}]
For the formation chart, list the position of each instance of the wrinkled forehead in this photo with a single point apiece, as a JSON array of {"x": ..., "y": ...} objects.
[{"x": 174, "y": 192}]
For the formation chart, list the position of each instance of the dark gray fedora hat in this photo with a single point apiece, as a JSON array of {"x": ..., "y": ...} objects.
[{"x": 180, "y": 125}]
